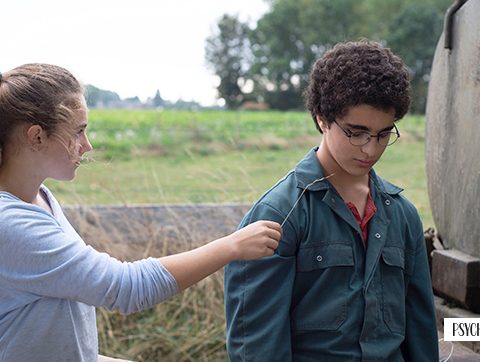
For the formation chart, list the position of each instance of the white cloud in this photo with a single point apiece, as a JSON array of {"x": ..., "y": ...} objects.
[{"x": 130, "y": 47}]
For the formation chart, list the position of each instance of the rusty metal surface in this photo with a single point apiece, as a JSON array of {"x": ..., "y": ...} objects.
[
  {"x": 452, "y": 134},
  {"x": 448, "y": 23}
]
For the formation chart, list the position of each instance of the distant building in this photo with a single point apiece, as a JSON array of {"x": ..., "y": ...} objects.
[{"x": 254, "y": 106}]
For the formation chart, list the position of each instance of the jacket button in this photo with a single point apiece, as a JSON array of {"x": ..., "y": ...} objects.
[
  {"x": 387, "y": 202},
  {"x": 319, "y": 258},
  {"x": 378, "y": 236}
]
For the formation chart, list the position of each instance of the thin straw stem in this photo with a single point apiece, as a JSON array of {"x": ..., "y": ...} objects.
[{"x": 305, "y": 189}]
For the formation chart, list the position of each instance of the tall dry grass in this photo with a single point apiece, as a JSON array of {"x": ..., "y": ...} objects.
[{"x": 187, "y": 327}]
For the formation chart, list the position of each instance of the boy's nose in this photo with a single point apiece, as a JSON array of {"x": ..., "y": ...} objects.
[{"x": 371, "y": 147}]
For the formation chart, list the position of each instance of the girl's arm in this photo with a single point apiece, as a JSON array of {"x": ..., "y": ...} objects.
[{"x": 251, "y": 242}]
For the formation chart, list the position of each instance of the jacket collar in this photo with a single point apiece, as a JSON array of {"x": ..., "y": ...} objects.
[
  {"x": 309, "y": 169},
  {"x": 383, "y": 185}
]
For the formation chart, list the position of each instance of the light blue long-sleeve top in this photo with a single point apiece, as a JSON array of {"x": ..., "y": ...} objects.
[{"x": 51, "y": 282}]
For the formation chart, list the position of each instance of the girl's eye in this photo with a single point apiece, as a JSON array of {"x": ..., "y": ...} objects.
[{"x": 79, "y": 133}]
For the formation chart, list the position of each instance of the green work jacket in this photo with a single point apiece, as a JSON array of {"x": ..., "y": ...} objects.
[{"x": 322, "y": 296}]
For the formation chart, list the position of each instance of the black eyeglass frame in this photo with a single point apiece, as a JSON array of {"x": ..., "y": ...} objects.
[{"x": 350, "y": 134}]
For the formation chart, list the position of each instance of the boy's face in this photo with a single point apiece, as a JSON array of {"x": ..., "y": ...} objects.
[{"x": 359, "y": 122}]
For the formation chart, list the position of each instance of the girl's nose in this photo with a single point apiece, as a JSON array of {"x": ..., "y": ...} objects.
[{"x": 86, "y": 145}]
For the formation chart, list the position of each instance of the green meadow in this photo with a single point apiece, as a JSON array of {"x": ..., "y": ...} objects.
[{"x": 150, "y": 156}]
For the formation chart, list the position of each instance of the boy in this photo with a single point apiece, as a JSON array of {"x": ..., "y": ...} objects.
[{"x": 350, "y": 279}]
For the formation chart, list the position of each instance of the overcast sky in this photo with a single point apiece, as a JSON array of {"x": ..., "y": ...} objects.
[{"x": 132, "y": 47}]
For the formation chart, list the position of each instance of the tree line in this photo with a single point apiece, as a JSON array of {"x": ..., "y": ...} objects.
[
  {"x": 270, "y": 61},
  {"x": 100, "y": 98}
]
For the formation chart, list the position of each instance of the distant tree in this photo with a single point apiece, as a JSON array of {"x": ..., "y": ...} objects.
[
  {"x": 132, "y": 102},
  {"x": 157, "y": 101},
  {"x": 226, "y": 53},
  {"x": 379, "y": 15},
  {"x": 278, "y": 51},
  {"x": 97, "y": 97},
  {"x": 182, "y": 104},
  {"x": 414, "y": 35},
  {"x": 289, "y": 38}
]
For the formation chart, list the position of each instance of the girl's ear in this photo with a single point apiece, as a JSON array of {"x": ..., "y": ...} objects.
[{"x": 35, "y": 136}]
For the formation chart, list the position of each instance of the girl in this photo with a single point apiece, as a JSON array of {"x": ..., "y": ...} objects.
[{"x": 50, "y": 280}]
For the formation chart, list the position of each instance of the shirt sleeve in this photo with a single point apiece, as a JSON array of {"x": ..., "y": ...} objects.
[
  {"x": 421, "y": 339},
  {"x": 257, "y": 299},
  {"x": 39, "y": 258}
]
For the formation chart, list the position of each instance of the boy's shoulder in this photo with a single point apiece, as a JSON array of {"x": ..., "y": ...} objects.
[{"x": 284, "y": 190}]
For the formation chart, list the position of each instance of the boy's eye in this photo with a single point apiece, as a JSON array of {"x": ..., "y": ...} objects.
[{"x": 359, "y": 134}]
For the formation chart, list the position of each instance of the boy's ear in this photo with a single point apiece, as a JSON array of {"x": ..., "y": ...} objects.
[
  {"x": 321, "y": 123},
  {"x": 35, "y": 136}
]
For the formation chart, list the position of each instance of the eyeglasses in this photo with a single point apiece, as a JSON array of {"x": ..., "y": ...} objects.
[{"x": 361, "y": 138}]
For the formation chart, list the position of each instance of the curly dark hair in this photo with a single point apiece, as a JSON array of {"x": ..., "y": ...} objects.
[{"x": 355, "y": 73}]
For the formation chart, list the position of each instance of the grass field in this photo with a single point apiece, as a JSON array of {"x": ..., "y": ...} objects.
[
  {"x": 215, "y": 156},
  {"x": 204, "y": 157}
]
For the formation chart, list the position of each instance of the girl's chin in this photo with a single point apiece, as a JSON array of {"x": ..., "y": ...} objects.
[{"x": 69, "y": 177}]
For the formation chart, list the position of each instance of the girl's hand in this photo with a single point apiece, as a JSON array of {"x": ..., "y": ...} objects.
[{"x": 256, "y": 240}]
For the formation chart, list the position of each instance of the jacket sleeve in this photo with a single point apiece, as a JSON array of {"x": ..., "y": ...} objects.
[
  {"x": 421, "y": 339},
  {"x": 258, "y": 296}
]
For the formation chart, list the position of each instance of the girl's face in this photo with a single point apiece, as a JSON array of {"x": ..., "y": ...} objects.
[
  {"x": 65, "y": 148},
  {"x": 350, "y": 159}
]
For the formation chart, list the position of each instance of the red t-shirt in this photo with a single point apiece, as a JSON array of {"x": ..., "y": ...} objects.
[{"x": 370, "y": 209}]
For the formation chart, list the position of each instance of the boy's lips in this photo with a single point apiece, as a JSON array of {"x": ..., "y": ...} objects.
[{"x": 365, "y": 163}]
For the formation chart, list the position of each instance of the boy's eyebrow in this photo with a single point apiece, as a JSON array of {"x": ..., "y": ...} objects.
[{"x": 365, "y": 128}]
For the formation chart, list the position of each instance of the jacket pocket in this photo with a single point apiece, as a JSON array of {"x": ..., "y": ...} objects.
[
  {"x": 320, "y": 299},
  {"x": 324, "y": 256},
  {"x": 395, "y": 268}
]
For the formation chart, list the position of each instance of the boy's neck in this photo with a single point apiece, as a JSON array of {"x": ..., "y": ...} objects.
[{"x": 340, "y": 179}]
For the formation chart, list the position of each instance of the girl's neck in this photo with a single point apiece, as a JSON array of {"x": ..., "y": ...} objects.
[{"x": 19, "y": 181}]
